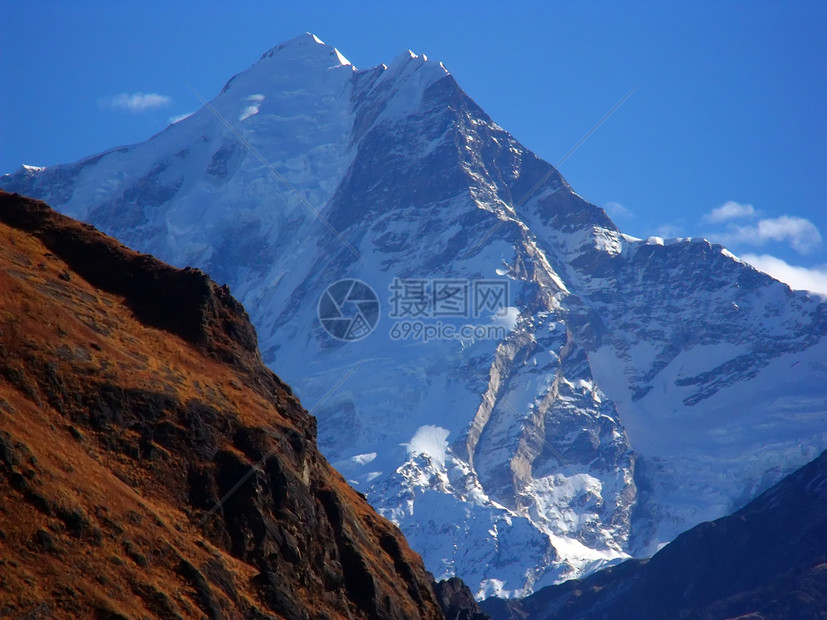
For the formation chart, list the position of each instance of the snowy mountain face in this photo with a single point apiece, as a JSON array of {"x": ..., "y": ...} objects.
[
  {"x": 764, "y": 561},
  {"x": 619, "y": 393}
]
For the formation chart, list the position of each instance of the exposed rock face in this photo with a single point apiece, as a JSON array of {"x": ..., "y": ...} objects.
[
  {"x": 133, "y": 399},
  {"x": 457, "y": 601},
  {"x": 768, "y": 560}
]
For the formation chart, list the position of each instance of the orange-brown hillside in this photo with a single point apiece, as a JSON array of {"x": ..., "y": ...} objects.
[{"x": 132, "y": 399}]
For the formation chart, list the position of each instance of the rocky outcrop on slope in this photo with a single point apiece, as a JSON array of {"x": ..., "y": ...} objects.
[
  {"x": 151, "y": 466},
  {"x": 457, "y": 601}
]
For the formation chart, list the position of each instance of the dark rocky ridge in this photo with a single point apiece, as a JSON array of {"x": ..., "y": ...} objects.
[
  {"x": 456, "y": 600},
  {"x": 132, "y": 400},
  {"x": 183, "y": 302},
  {"x": 766, "y": 561}
]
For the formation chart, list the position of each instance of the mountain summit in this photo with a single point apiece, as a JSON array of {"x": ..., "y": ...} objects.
[{"x": 598, "y": 396}]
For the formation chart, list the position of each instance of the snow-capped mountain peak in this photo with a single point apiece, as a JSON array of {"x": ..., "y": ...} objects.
[
  {"x": 411, "y": 61},
  {"x": 304, "y": 46},
  {"x": 635, "y": 389}
]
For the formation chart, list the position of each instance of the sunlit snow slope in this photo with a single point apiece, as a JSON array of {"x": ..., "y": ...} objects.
[{"x": 641, "y": 387}]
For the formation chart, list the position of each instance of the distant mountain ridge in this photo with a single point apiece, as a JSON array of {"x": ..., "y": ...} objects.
[{"x": 641, "y": 386}]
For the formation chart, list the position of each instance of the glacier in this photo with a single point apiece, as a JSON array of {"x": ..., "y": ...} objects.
[{"x": 639, "y": 387}]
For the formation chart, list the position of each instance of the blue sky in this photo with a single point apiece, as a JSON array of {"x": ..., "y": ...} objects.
[{"x": 729, "y": 107}]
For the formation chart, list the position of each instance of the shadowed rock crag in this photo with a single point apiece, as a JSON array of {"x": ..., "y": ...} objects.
[{"x": 132, "y": 400}]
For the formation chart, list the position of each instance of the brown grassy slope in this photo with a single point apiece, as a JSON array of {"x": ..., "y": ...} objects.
[{"x": 132, "y": 398}]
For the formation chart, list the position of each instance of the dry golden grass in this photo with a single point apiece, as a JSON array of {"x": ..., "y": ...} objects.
[
  {"x": 79, "y": 574},
  {"x": 91, "y": 526}
]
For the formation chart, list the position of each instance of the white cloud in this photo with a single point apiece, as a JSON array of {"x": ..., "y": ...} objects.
[
  {"x": 135, "y": 102},
  {"x": 730, "y": 210},
  {"x": 801, "y": 234},
  {"x": 800, "y": 278},
  {"x": 668, "y": 231},
  {"x": 615, "y": 209}
]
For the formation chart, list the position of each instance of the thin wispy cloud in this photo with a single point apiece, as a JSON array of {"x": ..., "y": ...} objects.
[
  {"x": 801, "y": 278},
  {"x": 669, "y": 231},
  {"x": 799, "y": 233},
  {"x": 617, "y": 210},
  {"x": 135, "y": 102},
  {"x": 728, "y": 211}
]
